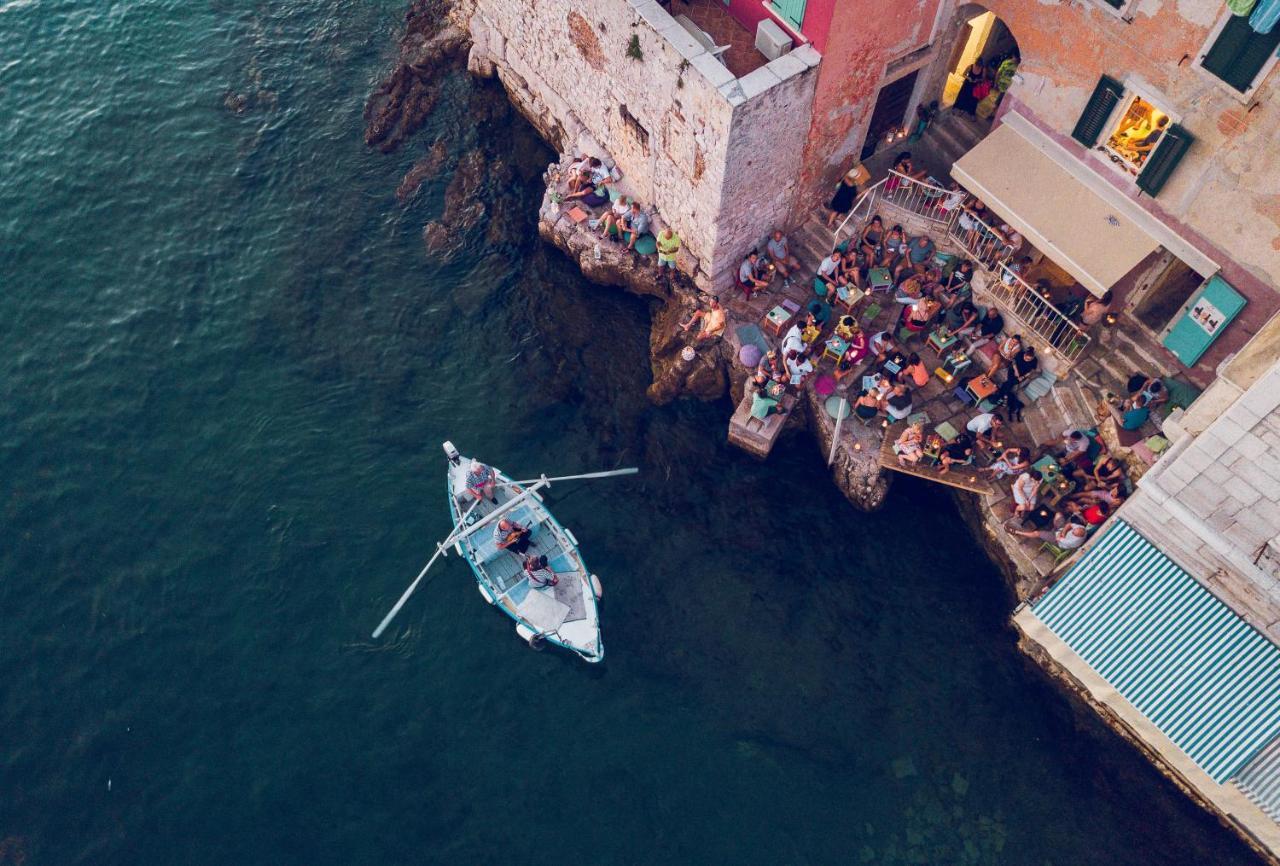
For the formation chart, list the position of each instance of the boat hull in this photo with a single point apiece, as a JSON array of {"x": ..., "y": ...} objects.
[{"x": 564, "y": 615}]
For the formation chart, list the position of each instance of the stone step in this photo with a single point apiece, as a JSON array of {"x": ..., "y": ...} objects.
[{"x": 1151, "y": 360}]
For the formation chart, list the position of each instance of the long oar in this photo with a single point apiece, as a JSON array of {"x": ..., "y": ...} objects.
[
  {"x": 628, "y": 471},
  {"x": 461, "y": 532}
]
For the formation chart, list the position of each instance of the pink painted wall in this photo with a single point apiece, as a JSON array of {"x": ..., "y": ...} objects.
[
  {"x": 859, "y": 39},
  {"x": 815, "y": 28}
]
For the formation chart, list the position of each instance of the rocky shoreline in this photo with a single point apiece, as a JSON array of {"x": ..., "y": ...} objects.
[{"x": 435, "y": 41}]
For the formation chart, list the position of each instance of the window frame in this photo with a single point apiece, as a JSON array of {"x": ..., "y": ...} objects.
[
  {"x": 1121, "y": 11},
  {"x": 1102, "y": 152},
  {"x": 1263, "y": 73}
]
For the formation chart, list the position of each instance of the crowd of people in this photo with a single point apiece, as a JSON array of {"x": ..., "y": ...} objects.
[{"x": 624, "y": 220}]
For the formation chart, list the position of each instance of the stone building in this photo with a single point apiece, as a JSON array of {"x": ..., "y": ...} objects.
[
  {"x": 725, "y": 143},
  {"x": 1170, "y": 619}
]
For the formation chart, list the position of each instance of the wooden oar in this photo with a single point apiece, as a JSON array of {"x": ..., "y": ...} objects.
[
  {"x": 632, "y": 470},
  {"x": 456, "y": 535}
]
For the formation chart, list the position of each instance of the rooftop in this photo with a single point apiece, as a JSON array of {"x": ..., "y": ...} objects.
[{"x": 713, "y": 18}]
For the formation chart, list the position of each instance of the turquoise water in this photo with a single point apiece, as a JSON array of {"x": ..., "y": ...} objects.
[{"x": 228, "y": 365}]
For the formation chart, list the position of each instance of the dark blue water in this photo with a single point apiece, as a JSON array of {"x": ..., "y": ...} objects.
[{"x": 227, "y": 366}]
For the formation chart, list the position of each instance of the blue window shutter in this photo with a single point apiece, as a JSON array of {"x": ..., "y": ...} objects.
[
  {"x": 792, "y": 11},
  {"x": 1164, "y": 159},
  {"x": 1097, "y": 110}
]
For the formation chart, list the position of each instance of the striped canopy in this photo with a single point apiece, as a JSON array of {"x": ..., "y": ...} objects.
[{"x": 1181, "y": 657}]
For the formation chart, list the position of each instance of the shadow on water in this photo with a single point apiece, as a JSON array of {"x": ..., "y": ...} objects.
[{"x": 219, "y": 467}]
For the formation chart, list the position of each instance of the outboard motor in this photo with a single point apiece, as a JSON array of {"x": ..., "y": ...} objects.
[{"x": 452, "y": 453}]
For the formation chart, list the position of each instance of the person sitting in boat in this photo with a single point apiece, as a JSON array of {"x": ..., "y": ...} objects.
[
  {"x": 481, "y": 482},
  {"x": 538, "y": 573},
  {"x": 510, "y": 535}
]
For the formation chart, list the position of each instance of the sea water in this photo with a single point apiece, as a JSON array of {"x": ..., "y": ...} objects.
[{"x": 228, "y": 363}]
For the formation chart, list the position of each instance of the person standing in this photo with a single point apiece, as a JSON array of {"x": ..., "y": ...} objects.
[
  {"x": 668, "y": 248},
  {"x": 842, "y": 202}
]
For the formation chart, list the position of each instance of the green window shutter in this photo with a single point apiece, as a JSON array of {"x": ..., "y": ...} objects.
[
  {"x": 1099, "y": 108},
  {"x": 1164, "y": 159},
  {"x": 1239, "y": 53},
  {"x": 1115, "y": 4},
  {"x": 792, "y": 11}
]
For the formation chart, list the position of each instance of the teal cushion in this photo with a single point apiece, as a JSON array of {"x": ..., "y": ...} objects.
[{"x": 646, "y": 245}]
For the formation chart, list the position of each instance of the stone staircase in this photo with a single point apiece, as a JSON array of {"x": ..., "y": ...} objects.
[{"x": 950, "y": 136}]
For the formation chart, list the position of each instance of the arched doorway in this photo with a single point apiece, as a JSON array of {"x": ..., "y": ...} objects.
[{"x": 982, "y": 38}]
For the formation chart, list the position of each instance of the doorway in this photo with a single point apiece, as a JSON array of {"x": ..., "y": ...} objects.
[
  {"x": 1162, "y": 303},
  {"x": 890, "y": 111},
  {"x": 983, "y": 37}
]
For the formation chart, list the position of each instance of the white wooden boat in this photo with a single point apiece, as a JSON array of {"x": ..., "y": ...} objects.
[{"x": 566, "y": 614}]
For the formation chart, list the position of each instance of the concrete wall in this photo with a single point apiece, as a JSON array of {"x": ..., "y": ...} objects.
[{"x": 676, "y": 121}]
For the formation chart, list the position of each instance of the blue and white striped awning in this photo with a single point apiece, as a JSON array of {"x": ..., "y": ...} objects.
[
  {"x": 1181, "y": 657},
  {"x": 1260, "y": 780}
]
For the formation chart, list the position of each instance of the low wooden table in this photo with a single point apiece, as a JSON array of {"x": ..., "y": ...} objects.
[{"x": 777, "y": 320}]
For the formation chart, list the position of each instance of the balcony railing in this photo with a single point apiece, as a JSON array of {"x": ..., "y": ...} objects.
[
  {"x": 983, "y": 245},
  {"x": 1024, "y": 302}
]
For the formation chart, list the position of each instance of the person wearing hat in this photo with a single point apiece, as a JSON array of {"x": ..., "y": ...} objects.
[
  {"x": 481, "y": 482},
  {"x": 846, "y": 192},
  {"x": 539, "y": 575}
]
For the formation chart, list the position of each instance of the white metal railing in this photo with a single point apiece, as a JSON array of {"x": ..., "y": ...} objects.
[
  {"x": 988, "y": 248},
  {"x": 983, "y": 244}
]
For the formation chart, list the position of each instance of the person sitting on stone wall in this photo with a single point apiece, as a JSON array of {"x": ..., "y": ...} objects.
[
  {"x": 750, "y": 280},
  {"x": 852, "y": 274},
  {"x": 593, "y": 177},
  {"x": 872, "y": 240},
  {"x": 766, "y": 394},
  {"x": 634, "y": 225},
  {"x": 611, "y": 223},
  {"x": 780, "y": 254},
  {"x": 712, "y": 319}
]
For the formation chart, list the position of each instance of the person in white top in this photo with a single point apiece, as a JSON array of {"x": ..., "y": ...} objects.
[{"x": 1025, "y": 490}]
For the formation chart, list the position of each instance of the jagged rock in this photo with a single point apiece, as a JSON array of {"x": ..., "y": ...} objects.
[
  {"x": 400, "y": 105},
  {"x": 422, "y": 170}
]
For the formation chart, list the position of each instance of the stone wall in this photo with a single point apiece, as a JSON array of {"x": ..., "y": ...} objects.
[
  {"x": 683, "y": 131},
  {"x": 1213, "y": 502}
]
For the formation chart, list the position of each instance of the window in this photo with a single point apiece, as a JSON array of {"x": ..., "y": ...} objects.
[
  {"x": 792, "y": 11},
  {"x": 1138, "y": 136},
  {"x": 1135, "y": 135},
  {"x": 1238, "y": 54}
]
